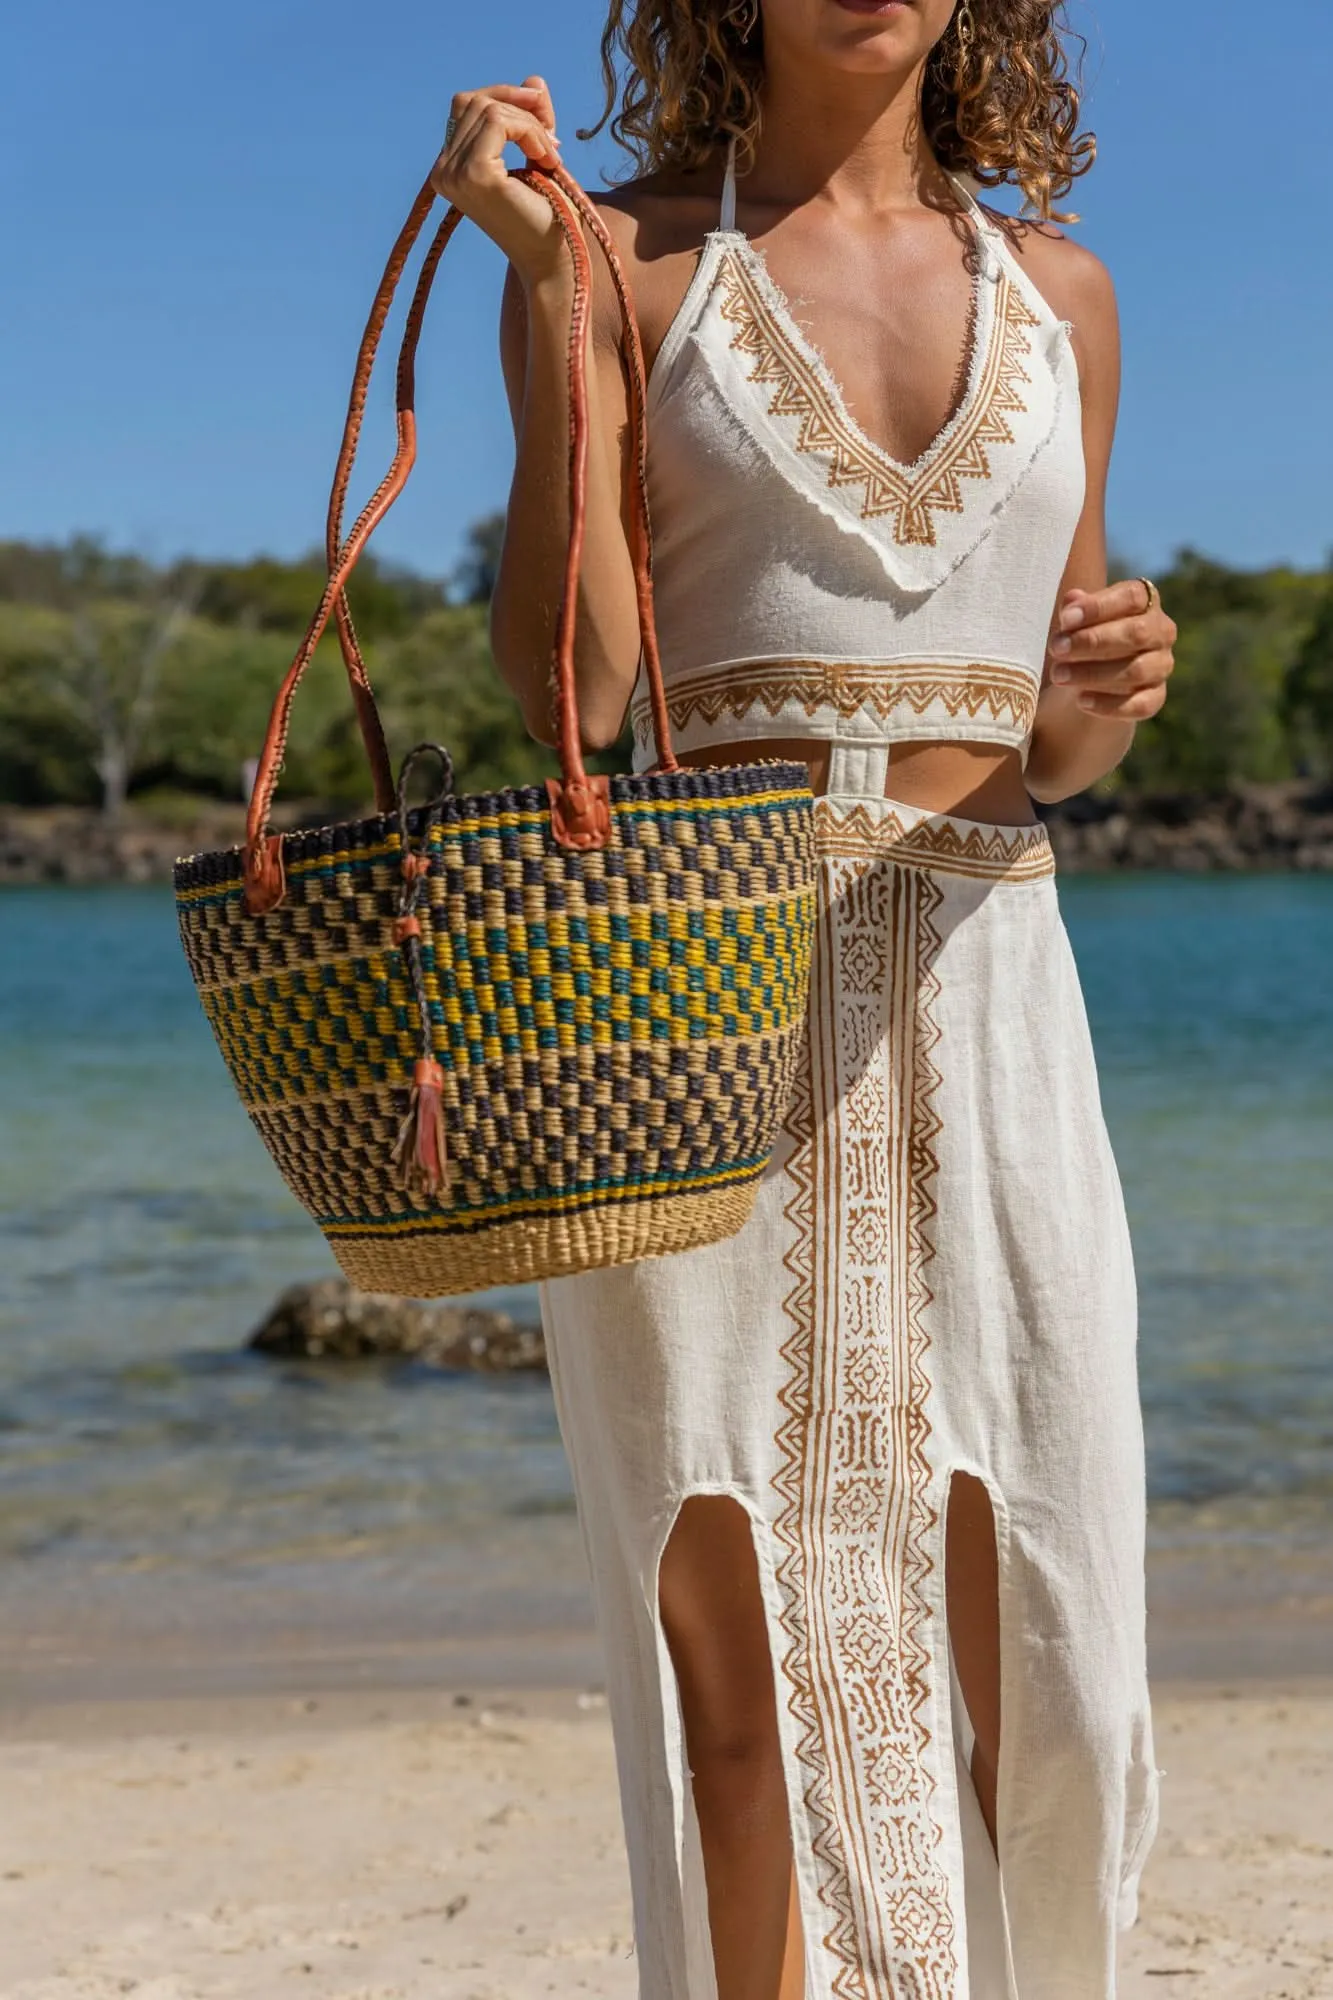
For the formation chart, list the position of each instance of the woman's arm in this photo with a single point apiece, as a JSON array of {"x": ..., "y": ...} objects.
[
  {"x": 534, "y": 344},
  {"x": 1110, "y": 656},
  {"x": 534, "y": 341}
]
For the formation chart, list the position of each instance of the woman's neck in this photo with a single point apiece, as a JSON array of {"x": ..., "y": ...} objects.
[{"x": 855, "y": 142}]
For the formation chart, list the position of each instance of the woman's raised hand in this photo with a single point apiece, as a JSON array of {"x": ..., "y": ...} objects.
[
  {"x": 471, "y": 171},
  {"x": 1114, "y": 652}
]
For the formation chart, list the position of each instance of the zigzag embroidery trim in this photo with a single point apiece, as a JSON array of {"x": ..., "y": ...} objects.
[
  {"x": 911, "y": 496},
  {"x": 1008, "y": 695},
  {"x": 951, "y": 847}
]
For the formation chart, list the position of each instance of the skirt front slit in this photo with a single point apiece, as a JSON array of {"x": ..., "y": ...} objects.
[{"x": 936, "y": 1279}]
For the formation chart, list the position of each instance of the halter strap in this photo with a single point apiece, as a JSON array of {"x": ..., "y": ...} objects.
[
  {"x": 727, "y": 215},
  {"x": 990, "y": 240}
]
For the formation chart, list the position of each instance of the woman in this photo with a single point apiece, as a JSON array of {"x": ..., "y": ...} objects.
[{"x": 862, "y": 1487}]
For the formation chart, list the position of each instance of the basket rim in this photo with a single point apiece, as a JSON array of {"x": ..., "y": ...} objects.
[{"x": 709, "y": 784}]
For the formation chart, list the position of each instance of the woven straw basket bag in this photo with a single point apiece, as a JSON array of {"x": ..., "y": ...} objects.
[{"x": 528, "y": 1033}]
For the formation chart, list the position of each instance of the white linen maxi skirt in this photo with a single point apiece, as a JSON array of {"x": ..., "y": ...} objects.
[{"x": 936, "y": 1278}]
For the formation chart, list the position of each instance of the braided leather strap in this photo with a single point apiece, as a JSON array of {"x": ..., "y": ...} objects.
[{"x": 580, "y": 812}]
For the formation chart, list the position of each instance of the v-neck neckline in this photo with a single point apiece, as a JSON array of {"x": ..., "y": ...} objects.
[
  {"x": 919, "y": 519},
  {"x": 979, "y": 332}
]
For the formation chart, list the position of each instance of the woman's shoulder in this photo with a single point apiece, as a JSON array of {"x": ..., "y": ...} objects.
[
  {"x": 663, "y": 212},
  {"x": 1078, "y": 290},
  {"x": 1071, "y": 278},
  {"x": 658, "y": 223}
]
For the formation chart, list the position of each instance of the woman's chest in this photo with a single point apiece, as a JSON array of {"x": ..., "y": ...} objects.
[{"x": 892, "y": 318}]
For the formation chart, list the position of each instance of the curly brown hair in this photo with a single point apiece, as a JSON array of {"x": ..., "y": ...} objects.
[{"x": 998, "y": 100}]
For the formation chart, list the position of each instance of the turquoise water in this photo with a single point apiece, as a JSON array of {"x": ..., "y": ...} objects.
[{"x": 143, "y": 1232}]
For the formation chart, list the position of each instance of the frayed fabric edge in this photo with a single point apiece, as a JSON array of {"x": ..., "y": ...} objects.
[{"x": 784, "y": 460}]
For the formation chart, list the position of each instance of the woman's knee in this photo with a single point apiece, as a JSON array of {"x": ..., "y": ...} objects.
[{"x": 712, "y": 1610}]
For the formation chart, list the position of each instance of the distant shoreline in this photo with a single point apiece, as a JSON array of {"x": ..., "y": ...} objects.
[
  {"x": 1218, "y": 1611},
  {"x": 1274, "y": 828}
]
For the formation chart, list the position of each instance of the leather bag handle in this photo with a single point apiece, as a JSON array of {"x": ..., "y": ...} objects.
[{"x": 580, "y": 809}]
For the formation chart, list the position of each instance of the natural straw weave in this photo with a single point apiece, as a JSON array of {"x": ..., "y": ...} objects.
[{"x": 530, "y": 1033}]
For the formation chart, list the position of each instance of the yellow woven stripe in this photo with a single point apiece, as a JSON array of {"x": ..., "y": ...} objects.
[
  {"x": 272, "y": 1058},
  {"x": 290, "y": 1031},
  {"x": 222, "y": 959}
]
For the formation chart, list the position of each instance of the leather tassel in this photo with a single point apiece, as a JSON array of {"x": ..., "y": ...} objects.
[{"x": 420, "y": 1150}]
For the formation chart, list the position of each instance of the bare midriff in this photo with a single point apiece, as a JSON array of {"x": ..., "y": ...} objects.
[{"x": 982, "y": 781}]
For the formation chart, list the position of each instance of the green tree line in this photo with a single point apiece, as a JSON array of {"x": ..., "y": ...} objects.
[{"x": 120, "y": 678}]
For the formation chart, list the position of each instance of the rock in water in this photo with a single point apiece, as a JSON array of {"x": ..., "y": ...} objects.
[{"x": 331, "y": 1320}]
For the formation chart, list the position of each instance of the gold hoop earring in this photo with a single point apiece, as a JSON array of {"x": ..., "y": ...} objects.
[
  {"x": 744, "y": 18},
  {"x": 965, "y": 27}
]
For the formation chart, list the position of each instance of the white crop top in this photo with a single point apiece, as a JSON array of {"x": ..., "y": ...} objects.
[{"x": 807, "y": 584}]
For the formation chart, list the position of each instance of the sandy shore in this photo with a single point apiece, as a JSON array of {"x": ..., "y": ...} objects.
[{"x": 410, "y": 1846}]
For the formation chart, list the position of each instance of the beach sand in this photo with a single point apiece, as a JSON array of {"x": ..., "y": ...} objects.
[{"x": 417, "y": 1845}]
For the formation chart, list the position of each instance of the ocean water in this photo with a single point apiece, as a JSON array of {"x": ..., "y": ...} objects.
[{"x": 143, "y": 1232}]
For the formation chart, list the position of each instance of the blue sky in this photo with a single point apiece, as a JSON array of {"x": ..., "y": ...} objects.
[{"x": 197, "y": 201}]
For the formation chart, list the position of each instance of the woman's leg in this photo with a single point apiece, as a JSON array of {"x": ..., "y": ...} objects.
[
  {"x": 713, "y": 1615},
  {"x": 972, "y": 1585}
]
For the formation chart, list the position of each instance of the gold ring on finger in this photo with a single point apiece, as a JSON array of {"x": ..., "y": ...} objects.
[{"x": 1154, "y": 594}]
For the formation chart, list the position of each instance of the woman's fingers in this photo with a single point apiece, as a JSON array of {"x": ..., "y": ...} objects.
[
  {"x": 1097, "y": 607},
  {"x": 1083, "y": 657},
  {"x": 471, "y": 172},
  {"x": 1117, "y": 682},
  {"x": 1113, "y": 651},
  {"x": 1137, "y": 706},
  {"x": 483, "y": 125},
  {"x": 537, "y": 86},
  {"x": 530, "y": 95}
]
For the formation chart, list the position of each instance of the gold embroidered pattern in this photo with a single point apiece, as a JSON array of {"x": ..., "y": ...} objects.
[
  {"x": 911, "y": 495},
  {"x": 860, "y": 1562},
  {"x": 946, "y": 846},
  {"x": 1006, "y": 695}
]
